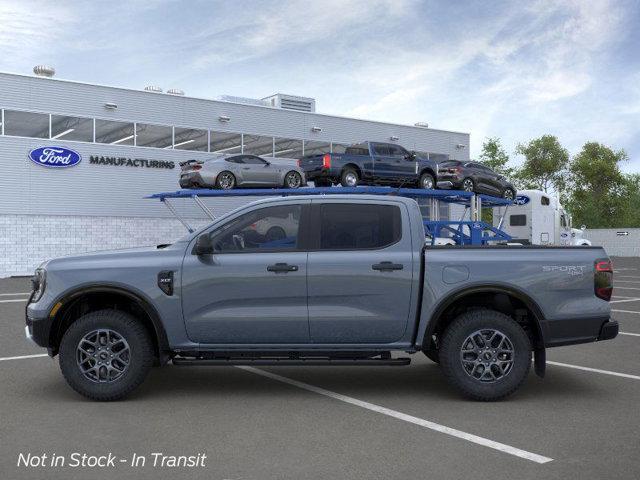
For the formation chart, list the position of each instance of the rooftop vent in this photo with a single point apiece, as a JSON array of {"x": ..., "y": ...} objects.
[
  {"x": 422, "y": 124},
  {"x": 175, "y": 91},
  {"x": 153, "y": 88},
  {"x": 44, "y": 71},
  {"x": 292, "y": 102}
]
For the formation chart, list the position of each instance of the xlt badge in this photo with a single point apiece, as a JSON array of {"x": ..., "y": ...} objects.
[{"x": 165, "y": 282}]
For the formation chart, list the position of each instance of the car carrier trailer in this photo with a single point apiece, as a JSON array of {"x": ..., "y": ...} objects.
[{"x": 469, "y": 229}]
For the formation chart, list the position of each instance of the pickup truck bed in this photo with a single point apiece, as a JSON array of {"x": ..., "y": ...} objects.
[{"x": 327, "y": 280}]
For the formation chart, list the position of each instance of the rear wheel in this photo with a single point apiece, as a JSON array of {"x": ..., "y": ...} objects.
[
  {"x": 427, "y": 181},
  {"x": 349, "y": 178},
  {"x": 105, "y": 355},
  {"x": 468, "y": 185},
  {"x": 485, "y": 354},
  {"x": 292, "y": 179},
  {"x": 225, "y": 181}
]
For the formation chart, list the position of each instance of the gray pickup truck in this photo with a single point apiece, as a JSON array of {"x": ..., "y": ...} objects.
[{"x": 347, "y": 281}]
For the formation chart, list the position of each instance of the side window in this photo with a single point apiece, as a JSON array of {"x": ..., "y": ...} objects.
[
  {"x": 352, "y": 226},
  {"x": 544, "y": 200},
  {"x": 267, "y": 229},
  {"x": 238, "y": 159},
  {"x": 253, "y": 160},
  {"x": 381, "y": 149},
  {"x": 397, "y": 151},
  {"x": 517, "y": 220}
]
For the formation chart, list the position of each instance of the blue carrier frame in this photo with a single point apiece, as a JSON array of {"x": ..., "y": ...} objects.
[{"x": 463, "y": 232}]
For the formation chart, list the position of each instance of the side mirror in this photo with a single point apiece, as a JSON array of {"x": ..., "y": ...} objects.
[
  {"x": 410, "y": 156},
  {"x": 203, "y": 245},
  {"x": 583, "y": 227},
  {"x": 267, "y": 163}
]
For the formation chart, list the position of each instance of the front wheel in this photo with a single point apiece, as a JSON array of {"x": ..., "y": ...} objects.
[
  {"x": 427, "y": 181},
  {"x": 106, "y": 354},
  {"x": 508, "y": 194},
  {"x": 292, "y": 180},
  {"x": 485, "y": 354}
]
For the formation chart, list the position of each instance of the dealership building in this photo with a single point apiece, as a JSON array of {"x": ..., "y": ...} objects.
[{"x": 129, "y": 144}]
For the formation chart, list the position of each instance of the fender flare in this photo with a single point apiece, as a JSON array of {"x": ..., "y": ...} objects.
[
  {"x": 539, "y": 319},
  {"x": 69, "y": 297}
]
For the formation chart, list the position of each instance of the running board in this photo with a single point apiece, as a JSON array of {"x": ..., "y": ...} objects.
[{"x": 317, "y": 362}]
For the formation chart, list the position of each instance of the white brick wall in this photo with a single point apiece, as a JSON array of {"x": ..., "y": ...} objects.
[{"x": 28, "y": 240}]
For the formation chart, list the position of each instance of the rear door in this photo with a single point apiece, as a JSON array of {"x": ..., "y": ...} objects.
[
  {"x": 383, "y": 162},
  {"x": 359, "y": 272},
  {"x": 253, "y": 288}
]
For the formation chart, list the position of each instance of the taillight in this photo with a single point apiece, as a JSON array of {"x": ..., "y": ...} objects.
[
  {"x": 196, "y": 167},
  {"x": 326, "y": 161},
  {"x": 603, "y": 278},
  {"x": 299, "y": 162}
]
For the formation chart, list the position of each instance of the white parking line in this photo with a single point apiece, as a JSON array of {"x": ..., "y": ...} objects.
[
  {"x": 630, "y": 334},
  {"x": 14, "y": 300},
  {"x": 626, "y": 288},
  {"x": 485, "y": 442},
  {"x": 2, "y": 359},
  {"x": 625, "y": 276},
  {"x": 14, "y": 294},
  {"x": 625, "y": 300},
  {"x": 595, "y": 370},
  {"x": 626, "y": 311},
  {"x": 626, "y": 281}
]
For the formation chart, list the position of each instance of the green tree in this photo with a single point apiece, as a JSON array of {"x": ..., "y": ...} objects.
[
  {"x": 545, "y": 164},
  {"x": 495, "y": 157},
  {"x": 599, "y": 192}
]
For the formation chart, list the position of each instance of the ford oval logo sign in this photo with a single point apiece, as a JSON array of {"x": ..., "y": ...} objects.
[
  {"x": 521, "y": 200},
  {"x": 56, "y": 157}
]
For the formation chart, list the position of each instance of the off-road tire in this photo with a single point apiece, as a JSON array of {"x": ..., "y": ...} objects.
[
  {"x": 452, "y": 343},
  {"x": 140, "y": 360}
]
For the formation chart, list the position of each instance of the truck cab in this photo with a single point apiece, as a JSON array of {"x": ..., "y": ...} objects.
[{"x": 538, "y": 218}]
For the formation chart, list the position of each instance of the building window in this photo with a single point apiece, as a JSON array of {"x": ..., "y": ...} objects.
[
  {"x": 157, "y": 136},
  {"x": 190, "y": 139},
  {"x": 224, "y": 142},
  {"x": 71, "y": 128},
  {"x": 316, "y": 148},
  {"x": 425, "y": 209},
  {"x": 338, "y": 147},
  {"x": 258, "y": 145},
  {"x": 26, "y": 124},
  {"x": 114, "y": 133},
  {"x": 287, "y": 148}
]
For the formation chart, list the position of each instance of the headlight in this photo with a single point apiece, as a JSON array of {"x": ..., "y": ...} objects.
[{"x": 38, "y": 283}]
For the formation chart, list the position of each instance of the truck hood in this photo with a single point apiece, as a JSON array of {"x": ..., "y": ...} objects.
[{"x": 129, "y": 255}]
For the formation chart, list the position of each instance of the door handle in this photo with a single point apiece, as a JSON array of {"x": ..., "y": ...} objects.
[
  {"x": 282, "y": 267},
  {"x": 387, "y": 266},
  {"x": 246, "y": 168}
]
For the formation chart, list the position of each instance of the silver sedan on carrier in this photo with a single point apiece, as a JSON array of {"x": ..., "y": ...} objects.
[{"x": 240, "y": 170}]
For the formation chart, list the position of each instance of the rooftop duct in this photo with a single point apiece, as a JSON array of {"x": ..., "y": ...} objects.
[{"x": 44, "y": 71}]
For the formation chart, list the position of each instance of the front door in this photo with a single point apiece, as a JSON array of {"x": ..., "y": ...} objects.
[
  {"x": 359, "y": 274},
  {"x": 252, "y": 289},
  {"x": 257, "y": 171}
]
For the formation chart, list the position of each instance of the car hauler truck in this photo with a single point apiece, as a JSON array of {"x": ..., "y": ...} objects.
[{"x": 537, "y": 218}]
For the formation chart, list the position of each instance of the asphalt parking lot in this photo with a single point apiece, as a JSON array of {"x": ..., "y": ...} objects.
[{"x": 581, "y": 421}]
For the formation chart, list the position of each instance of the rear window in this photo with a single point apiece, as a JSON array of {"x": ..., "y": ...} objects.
[
  {"x": 360, "y": 149},
  {"x": 359, "y": 227},
  {"x": 517, "y": 220},
  {"x": 544, "y": 200}
]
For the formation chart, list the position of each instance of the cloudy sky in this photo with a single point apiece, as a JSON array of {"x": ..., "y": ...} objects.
[{"x": 515, "y": 70}]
